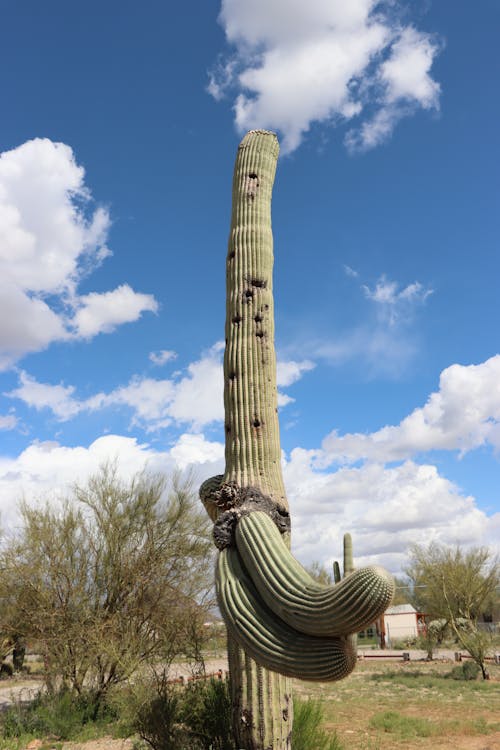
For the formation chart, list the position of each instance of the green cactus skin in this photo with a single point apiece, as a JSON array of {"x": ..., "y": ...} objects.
[
  {"x": 290, "y": 592},
  {"x": 267, "y": 638},
  {"x": 264, "y": 647},
  {"x": 262, "y": 704},
  {"x": 253, "y": 453}
]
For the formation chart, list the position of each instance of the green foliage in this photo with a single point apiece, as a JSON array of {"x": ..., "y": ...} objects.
[
  {"x": 452, "y": 581},
  {"x": 206, "y": 710},
  {"x": 169, "y": 717},
  {"x": 405, "y": 726},
  {"x": 6, "y": 670},
  {"x": 457, "y": 586},
  {"x": 62, "y": 714},
  {"x": 469, "y": 670},
  {"x": 307, "y": 733},
  {"x": 127, "y": 582}
]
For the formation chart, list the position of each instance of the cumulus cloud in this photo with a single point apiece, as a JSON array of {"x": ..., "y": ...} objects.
[
  {"x": 47, "y": 470},
  {"x": 193, "y": 397},
  {"x": 462, "y": 415},
  {"x": 386, "y": 509},
  {"x": 292, "y": 64},
  {"x": 101, "y": 313},
  {"x": 289, "y": 371},
  {"x": 51, "y": 236}
]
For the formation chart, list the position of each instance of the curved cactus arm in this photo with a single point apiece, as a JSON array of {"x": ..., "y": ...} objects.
[
  {"x": 295, "y": 597},
  {"x": 270, "y": 641}
]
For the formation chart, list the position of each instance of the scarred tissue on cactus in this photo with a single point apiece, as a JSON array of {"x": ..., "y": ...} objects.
[{"x": 281, "y": 623}]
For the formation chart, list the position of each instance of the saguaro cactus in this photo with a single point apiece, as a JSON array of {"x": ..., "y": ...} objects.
[{"x": 281, "y": 623}]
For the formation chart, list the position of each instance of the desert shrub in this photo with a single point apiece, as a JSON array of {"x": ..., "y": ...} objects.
[
  {"x": 169, "y": 717},
  {"x": 307, "y": 733},
  {"x": 469, "y": 670},
  {"x": 206, "y": 710},
  {"x": 6, "y": 670},
  {"x": 62, "y": 714}
]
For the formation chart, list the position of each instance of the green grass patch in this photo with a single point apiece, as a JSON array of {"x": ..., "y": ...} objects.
[
  {"x": 307, "y": 732},
  {"x": 404, "y": 726}
]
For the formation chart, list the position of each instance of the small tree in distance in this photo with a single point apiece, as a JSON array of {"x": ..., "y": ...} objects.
[
  {"x": 456, "y": 586},
  {"x": 118, "y": 575}
]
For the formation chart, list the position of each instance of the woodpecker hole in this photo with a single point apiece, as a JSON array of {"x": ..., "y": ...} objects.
[{"x": 259, "y": 283}]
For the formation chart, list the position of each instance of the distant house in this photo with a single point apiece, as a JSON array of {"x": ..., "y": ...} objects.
[{"x": 399, "y": 623}]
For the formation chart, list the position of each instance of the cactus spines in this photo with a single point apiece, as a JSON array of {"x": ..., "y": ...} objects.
[
  {"x": 290, "y": 592},
  {"x": 280, "y": 623},
  {"x": 267, "y": 638}
]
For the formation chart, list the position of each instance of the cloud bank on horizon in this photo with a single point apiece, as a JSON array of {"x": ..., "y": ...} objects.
[{"x": 293, "y": 64}]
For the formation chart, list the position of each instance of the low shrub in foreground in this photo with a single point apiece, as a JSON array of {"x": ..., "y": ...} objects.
[
  {"x": 62, "y": 714},
  {"x": 307, "y": 732}
]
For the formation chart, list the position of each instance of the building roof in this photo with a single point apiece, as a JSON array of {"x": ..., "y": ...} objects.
[{"x": 401, "y": 609}]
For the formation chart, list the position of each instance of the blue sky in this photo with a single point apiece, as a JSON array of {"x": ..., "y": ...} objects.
[{"x": 118, "y": 132}]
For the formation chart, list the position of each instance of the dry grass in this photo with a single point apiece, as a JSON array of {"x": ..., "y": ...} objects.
[{"x": 411, "y": 705}]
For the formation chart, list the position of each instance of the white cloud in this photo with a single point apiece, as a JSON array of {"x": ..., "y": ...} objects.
[
  {"x": 50, "y": 237},
  {"x": 58, "y": 398},
  {"x": 289, "y": 371},
  {"x": 406, "y": 84},
  {"x": 101, "y": 313},
  {"x": 385, "y": 509},
  {"x": 462, "y": 415},
  {"x": 293, "y": 64},
  {"x": 387, "y": 341},
  {"x": 395, "y": 304},
  {"x": 192, "y": 449},
  {"x": 8, "y": 421},
  {"x": 48, "y": 470},
  {"x": 406, "y": 72},
  {"x": 194, "y": 398},
  {"x": 162, "y": 357}
]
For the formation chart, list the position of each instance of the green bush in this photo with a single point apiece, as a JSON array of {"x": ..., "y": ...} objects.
[
  {"x": 206, "y": 710},
  {"x": 307, "y": 733},
  {"x": 62, "y": 714},
  {"x": 469, "y": 670},
  {"x": 6, "y": 670},
  {"x": 169, "y": 717}
]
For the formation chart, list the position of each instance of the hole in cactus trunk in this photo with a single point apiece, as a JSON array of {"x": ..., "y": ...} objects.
[
  {"x": 237, "y": 319},
  {"x": 259, "y": 283},
  {"x": 260, "y": 334},
  {"x": 256, "y": 422}
]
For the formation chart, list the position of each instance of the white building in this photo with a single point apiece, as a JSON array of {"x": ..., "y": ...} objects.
[{"x": 402, "y": 622}]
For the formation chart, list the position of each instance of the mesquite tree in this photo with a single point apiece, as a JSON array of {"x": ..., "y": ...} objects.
[{"x": 281, "y": 623}]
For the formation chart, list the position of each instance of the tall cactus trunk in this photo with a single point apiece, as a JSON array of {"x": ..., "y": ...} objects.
[
  {"x": 274, "y": 611},
  {"x": 262, "y": 702}
]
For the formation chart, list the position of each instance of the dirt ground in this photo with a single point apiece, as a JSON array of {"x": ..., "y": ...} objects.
[{"x": 350, "y": 704}]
